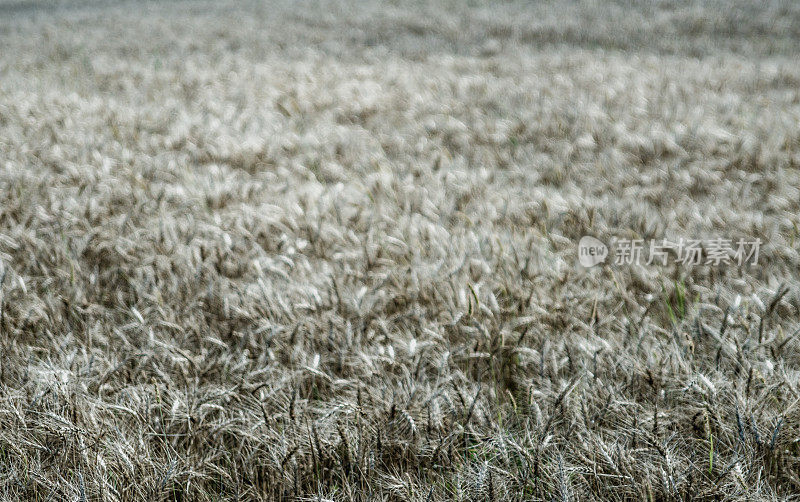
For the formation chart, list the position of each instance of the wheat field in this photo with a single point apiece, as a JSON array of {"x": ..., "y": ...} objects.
[{"x": 275, "y": 250}]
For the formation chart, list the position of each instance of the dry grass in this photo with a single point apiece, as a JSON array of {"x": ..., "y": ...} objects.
[{"x": 314, "y": 251}]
